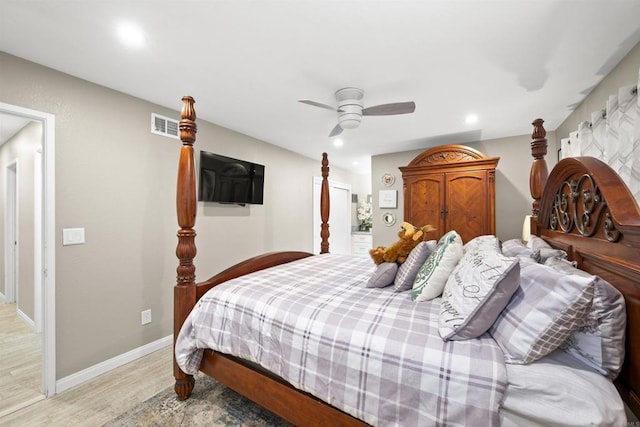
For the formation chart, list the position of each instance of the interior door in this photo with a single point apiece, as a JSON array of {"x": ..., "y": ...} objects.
[{"x": 339, "y": 217}]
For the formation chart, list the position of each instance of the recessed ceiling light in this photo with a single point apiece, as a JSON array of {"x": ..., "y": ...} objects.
[
  {"x": 338, "y": 143},
  {"x": 471, "y": 119},
  {"x": 131, "y": 35},
  {"x": 356, "y": 163}
]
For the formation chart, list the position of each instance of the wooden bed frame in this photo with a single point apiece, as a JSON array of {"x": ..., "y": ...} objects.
[{"x": 607, "y": 243}]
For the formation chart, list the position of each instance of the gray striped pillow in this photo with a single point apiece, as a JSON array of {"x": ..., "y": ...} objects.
[
  {"x": 409, "y": 269},
  {"x": 515, "y": 247},
  {"x": 545, "y": 250},
  {"x": 543, "y": 312},
  {"x": 599, "y": 342}
]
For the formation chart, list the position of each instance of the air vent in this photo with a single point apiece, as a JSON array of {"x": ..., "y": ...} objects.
[{"x": 164, "y": 126}]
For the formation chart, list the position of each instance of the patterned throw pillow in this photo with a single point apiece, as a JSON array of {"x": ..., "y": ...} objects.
[
  {"x": 408, "y": 269},
  {"x": 545, "y": 310},
  {"x": 383, "y": 276},
  {"x": 599, "y": 342},
  {"x": 477, "y": 291},
  {"x": 434, "y": 273}
]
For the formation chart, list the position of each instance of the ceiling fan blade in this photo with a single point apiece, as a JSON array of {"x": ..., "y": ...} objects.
[
  {"x": 390, "y": 109},
  {"x": 319, "y": 104},
  {"x": 336, "y": 131}
]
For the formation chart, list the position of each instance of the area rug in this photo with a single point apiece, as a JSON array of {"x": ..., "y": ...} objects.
[{"x": 211, "y": 404}]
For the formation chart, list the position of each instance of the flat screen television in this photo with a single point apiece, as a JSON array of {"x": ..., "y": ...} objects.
[{"x": 228, "y": 180}]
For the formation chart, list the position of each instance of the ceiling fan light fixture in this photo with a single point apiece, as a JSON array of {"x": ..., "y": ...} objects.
[
  {"x": 351, "y": 114},
  {"x": 350, "y": 109},
  {"x": 349, "y": 94},
  {"x": 350, "y": 120}
]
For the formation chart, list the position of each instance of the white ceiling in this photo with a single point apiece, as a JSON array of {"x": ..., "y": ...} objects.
[
  {"x": 248, "y": 62},
  {"x": 10, "y": 125}
]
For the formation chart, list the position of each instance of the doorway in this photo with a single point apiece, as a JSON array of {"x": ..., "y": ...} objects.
[
  {"x": 43, "y": 238},
  {"x": 339, "y": 217}
]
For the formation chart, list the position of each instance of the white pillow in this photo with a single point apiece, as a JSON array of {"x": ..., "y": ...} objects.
[
  {"x": 479, "y": 288},
  {"x": 487, "y": 243},
  {"x": 434, "y": 273}
]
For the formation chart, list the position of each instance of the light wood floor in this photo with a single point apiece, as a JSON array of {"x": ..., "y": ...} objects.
[
  {"x": 21, "y": 362},
  {"x": 99, "y": 400}
]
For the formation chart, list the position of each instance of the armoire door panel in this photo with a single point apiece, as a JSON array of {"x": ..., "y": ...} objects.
[
  {"x": 429, "y": 191},
  {"x": 466, "y": 199}
]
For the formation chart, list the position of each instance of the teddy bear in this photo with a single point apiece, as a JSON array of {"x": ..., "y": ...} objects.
[{"x": 398, "y": 252}]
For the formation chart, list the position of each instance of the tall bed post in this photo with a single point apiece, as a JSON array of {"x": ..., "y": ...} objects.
[
  {"x": 186, "y": 205},
  {"x": 539, "y": 173},
  {"x": 324, "y": 206}
]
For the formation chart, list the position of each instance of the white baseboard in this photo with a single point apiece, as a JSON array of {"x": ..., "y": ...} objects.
[
  {"x": 108, "y": 365},
  {"x": 26, "y": 320}
]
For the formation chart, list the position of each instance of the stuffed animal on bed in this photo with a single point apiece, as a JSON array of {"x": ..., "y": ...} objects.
[{"x": 398, "y": 252}]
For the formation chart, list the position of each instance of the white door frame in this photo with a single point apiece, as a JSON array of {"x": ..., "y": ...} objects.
[
  {"x": 11, "y": 232},
  {"x": 37, "y": 238},
  {"x": 47, "y": 248}
]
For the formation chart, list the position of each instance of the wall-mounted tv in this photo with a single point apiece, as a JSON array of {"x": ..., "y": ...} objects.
[{"x": 228, "y": 180}]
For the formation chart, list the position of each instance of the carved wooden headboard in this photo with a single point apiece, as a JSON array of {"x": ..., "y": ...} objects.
[{"x": 585, "y": 208}]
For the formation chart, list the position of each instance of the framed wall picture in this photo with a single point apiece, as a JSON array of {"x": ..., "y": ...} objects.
[
  {"x": 388, "y": 199},
  {"x": 387, "y": 179}
]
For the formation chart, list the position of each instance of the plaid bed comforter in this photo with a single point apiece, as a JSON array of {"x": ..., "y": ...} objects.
[{"x": 371, "y": 352}]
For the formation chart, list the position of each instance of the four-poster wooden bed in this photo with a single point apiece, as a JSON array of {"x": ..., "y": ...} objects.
[{"x": 593, "y": 219}]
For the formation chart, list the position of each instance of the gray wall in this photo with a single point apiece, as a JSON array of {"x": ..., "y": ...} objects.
[
  {"x": 21, "y": 148},
  {"x": 513, "y": 201},
  {"x": 117, "y": 180}
]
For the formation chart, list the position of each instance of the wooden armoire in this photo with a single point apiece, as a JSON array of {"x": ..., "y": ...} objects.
[{"x": 451, "y": 187}]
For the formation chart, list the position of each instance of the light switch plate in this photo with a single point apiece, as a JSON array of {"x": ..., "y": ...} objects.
[
  {"x": 145, "y": 317},
  {"x": 72, "y": 236}
]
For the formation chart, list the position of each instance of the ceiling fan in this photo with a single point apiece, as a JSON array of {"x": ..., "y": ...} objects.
[{"x": 350, "y": 109}]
